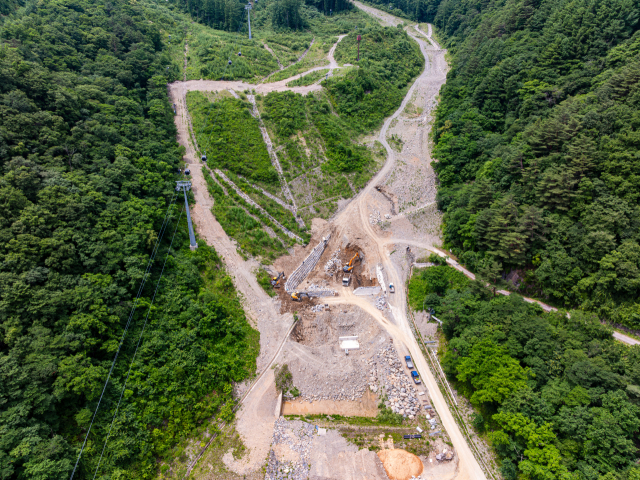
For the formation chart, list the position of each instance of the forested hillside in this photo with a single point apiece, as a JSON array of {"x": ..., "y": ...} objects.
[
  {"x": 557, "y": 396},
  {"x": 230, "y": 14},
  {"x": 537, "y": 147},
  {"x": 88, "y": 160}
]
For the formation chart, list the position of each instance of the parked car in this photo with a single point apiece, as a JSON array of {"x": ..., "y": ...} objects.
[
  {"x": 409, "y": 362},
  {"x": 416, "y": 377}
]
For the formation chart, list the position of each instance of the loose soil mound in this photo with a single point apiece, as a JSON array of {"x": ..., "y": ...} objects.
[{"x": 400, "y": 464}]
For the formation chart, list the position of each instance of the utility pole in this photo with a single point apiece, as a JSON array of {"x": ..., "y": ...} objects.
[
  {"x": 184, "y": 186},
  {"x": 247, "y": 7}
]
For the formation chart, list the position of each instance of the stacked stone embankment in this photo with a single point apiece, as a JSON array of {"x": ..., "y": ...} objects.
[
  {"x": 250, "y": 201},
  {"x": 306, "y": 266}
]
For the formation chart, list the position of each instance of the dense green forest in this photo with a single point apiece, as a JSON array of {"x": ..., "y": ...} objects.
[
  {"x": 418, "y": 10},
  {"x": 537, "y": 150},
  {"x": 557, "y": 396},
  {"x": 88, "y": 160},
  {"x": 230, "y": 15}
]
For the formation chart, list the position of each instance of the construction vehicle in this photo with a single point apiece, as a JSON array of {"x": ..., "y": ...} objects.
[
  {"x": 392, "y": 289},
  {"x": 415, "y": 377},
  {"x": 347, "y": 268},
  {"x": 297, "y": 296},
  {"x": 276, "y": 281},
  {"x": 346, "y": 280}
]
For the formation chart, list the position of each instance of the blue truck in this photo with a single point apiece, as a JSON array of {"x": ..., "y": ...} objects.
[
  {"x": 416, "y": 377},
  {"x": 409, "y": 362}
]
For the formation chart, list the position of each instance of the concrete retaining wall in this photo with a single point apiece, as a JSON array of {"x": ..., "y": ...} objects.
[
  {"x": 306, "y": 266},
  {"x": 367, "y": 291}
]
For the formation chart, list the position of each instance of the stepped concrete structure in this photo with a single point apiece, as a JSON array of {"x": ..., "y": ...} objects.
[{"x": 306, "y": 266}]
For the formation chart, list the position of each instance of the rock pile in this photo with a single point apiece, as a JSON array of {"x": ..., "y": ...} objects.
[
  {"x": 342, "y": 386},
  {"x": 292, "y": 440},
  {"x": 402, "y": 396},
  {"x": 318, "y": 291},
  {"x": 333, "y": 264},
  {"x": 381, "y": 302},
  {"x": 318, "y": 308},
  {"x": 446, "y": 455},
  {"x": 375, "y": 217}
]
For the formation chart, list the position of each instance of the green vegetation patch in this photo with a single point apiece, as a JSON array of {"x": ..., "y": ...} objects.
[
  {"x": 537, "y": 157},
  {"x": 264, "y": 279},
  {"x": 554, "y": 394},
  {"x": 282, "y": 215},
  {"x": 430, "y": 282},
  {"x": 231, "y": 137},
  {"x": 242, "y": 222},
  {"x": 389, "y": 60},
  {"x": 308, "y": 79},
  {"x": 89, "y": 163},
  {"x": 211, "y": 50}
]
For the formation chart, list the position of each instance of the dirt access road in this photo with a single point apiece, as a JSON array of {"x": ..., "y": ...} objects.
[{"x": 355, "y": 220}]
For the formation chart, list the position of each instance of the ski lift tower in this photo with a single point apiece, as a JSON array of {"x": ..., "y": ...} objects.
[
  {"x": 247, "y": 7},
  {"x": 184, "y": 186}
]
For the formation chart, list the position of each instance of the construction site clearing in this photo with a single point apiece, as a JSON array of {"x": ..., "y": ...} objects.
[{"x": 338, "y": 387}]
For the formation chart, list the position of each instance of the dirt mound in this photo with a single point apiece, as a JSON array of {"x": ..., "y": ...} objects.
[{"x": 400, "y": 464}]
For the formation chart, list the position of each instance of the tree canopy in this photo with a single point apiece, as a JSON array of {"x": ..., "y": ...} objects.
[
  {"x": 535, "y": 138},
  {"x": 558, "y": 397},
  {"x": 88, "y": 160}
]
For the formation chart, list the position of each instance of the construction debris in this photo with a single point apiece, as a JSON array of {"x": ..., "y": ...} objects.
[
  {"x": 375, "y": 217},
  {"x": 445, "y": 455},
  {"x": 381, "y": 302},
  {"x": 290, "y": 455},
  {"x": 333, "y": 264}
]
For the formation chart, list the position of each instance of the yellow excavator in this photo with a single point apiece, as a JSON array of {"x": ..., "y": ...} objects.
[
  {"x": 276, "y": 281},
  {"x": 347, "y": 268},
  {"x": 297, "y": 296}
]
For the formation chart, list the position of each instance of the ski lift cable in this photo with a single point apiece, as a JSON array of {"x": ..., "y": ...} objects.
[
  {"x": 229, "y": 62},
  {"x": 223, "y": 75},
  {"x": 146, "y": 319},
  {"x": 126, "y": 329}
]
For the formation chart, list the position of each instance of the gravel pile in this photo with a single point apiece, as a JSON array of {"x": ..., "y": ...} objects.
[
  {"x": 381, "y": 303},
  {"x": 333, "y": 264},
  {"x": 402, "y": 396},
  {"x": 297, "y": 437},
  {"x": 317, "y": 308},
  {"x": 341, "y": 386}
]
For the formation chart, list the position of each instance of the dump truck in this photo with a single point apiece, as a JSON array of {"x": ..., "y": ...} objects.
[
  {"x": 392, "y": 289},
  {"x": 346, "y": 280},
  {"x": 416, "y": 377},
  {"x": 276, "y": 281}
]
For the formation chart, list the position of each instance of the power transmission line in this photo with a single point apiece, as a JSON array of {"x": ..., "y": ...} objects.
[
  {"x": 124, "y": 386},
  {"x": 126, "y": 329}
]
